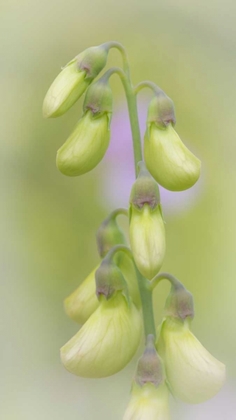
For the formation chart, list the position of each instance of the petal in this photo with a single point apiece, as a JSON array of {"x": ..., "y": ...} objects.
[
  {"x": 106, "y": 342},
  {"x": 193, "y": 373},
  {"x": 169, "y": 161},
  {"x": 148, "y": 403}
]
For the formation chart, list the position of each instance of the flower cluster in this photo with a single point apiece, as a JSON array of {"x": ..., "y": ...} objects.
[{"x": 111, "y": 302}]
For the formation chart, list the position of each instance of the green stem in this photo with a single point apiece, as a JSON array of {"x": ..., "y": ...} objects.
[
  {"x": 133, "y": 112},
  {"x": 118, "y": 212},
  {"x": 147, "y": 304},
  {"x": 118, "y": 248},
  {"x": 144, "y": 287},
  {"x": 175, "y": 283},
  {"x": 121, "y": 49},
  {"x": 150, "y": 85}
]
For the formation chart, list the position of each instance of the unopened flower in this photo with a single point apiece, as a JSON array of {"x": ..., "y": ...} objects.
[
  {"x": 148, "y": 403},
  {"x": 149, "y": 394},
  {"x": 73, "y": 80},
  {"x": 109, "y": 233},
  {"x": 116, "y": 180},
  {"x": 106, "y": 342},
  {"x": 147, "y": 237},
  {"x": 86, "y": 146},
  {"x": 147, "y": 232},
  {"x": 80, "y": 304},
  {"x": 193, "y": 374},
  {"x": 169, "y": 161}
]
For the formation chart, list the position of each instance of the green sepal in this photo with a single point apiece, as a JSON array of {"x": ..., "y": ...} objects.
[{"x": 110, "y": 280}]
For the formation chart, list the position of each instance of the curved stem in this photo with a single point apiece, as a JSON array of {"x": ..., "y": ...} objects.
[
  {"x": 119, "y": 248},
  {"x": 175, "y": 283},
  {"x": 118, "y": 212},
  {"x": 150, "y": 85},
  {"x": 143, "y": 284},
  {"x": 133, "y": 112},
  {"x": 122, "y": 50}
]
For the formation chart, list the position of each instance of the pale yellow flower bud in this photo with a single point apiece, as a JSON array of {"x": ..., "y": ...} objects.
[
  {"x": 80, "y": 305},
  {"x": 193, "y": 374},
  {"x": 68, "y": 86},
  {"x": 86, "y": 146},
  {"x": 169, "y": 161},
  {"x": 73, "y": 80},
  {"x": 106, "y": 342},
  {"x": 148, "y": 403},
  {"x": 83, "y": 301},
  {"x": 147, "y": 238}
]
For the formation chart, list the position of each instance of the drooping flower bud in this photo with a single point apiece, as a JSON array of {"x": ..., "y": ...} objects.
[
  {"x": 193, "y": 374},
  {"x": 88, "y": 143},
  {"x": 147, "y": 232},
  {"x": 109, "y": 233},
  {"x": 149, "y": 394},
  {"x": 179, "y": 303},
  {"x": 80, "y": 305},
  {"x": 150, "y": 368},
  {"x": 109, "y": 280},
  {"x": 73, "y": 80},
  {"x": 107, "y": 341},
  {"x": 169, "y": 161}
]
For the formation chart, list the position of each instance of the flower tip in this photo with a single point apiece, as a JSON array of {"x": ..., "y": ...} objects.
[
  {"x": 148, "y": 403},
  {"x": 193, "y": 373}
]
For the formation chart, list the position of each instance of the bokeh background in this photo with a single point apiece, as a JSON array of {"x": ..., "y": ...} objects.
[{"x": 49, "y": 221}]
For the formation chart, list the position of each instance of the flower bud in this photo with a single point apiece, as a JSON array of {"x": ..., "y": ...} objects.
[
  {"x": 80, "y": 305},
  {"x": 169, "y": 161},
  {"x": 179, "y": 303},
  {"x": 109, "y": 280},
  {"x": 106, "y": 342},
  {"x": 193, "y": 374},
  {"x": 83, "y": 301},
  {"x": 109, "y": 233},
  {"x": 149, "y": 394},
  {"x": 73, "y": 80},
  {"x": 150, "y": 368},
  {"x": 86, "y": 146},
  {"x": 147, "y": 232}
]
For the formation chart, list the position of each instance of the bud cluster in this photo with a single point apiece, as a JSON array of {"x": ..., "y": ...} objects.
[{"x": 110, "y": 303}]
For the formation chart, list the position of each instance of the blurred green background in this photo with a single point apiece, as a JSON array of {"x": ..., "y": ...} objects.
[{"x": 49, "y": 221}]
